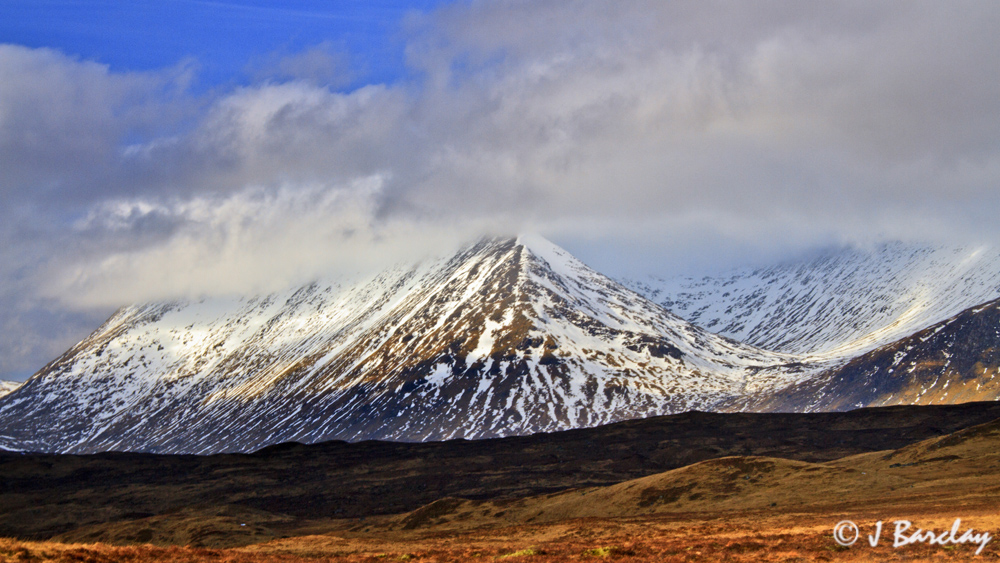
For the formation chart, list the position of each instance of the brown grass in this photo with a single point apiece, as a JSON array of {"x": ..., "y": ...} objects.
[
  {"x": 740, "y": 537},
  {"x": 735, "y": 509}
]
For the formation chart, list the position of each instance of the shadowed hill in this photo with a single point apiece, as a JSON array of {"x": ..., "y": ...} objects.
[
  {"x": 291, "y": 489},
  {"x": 954, "y": 471}
]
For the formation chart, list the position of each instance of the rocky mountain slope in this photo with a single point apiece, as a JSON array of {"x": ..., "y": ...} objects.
[
  {"x": 512, "y": 337},
  {"x": 954, "y": 361},
  {"x": 838, "y": 304},
  {"x": 507, "y": 337}
]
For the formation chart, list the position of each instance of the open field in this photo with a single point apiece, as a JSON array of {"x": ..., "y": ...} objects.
[
  {"x": 293, "y": 489},
  {"x": 737, "y": 537},
  {"x": 732, "y": 508}
]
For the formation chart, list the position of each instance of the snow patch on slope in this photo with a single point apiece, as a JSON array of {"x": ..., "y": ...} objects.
[
  {"x": 505, "y": 337},
  {"x": 7, "y": 387},
  {"x": 837, "y": 305}
]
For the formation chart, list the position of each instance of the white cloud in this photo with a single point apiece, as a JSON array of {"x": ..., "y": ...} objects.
[
  {"x": 693, "y": 129},
  {"x": 61, "y": 120},
  {"x": 319, "y": 65},
  {"x": 251, "y": 241}
]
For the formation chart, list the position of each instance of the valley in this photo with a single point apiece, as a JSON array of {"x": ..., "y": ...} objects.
[
  {"x": 293, "y": 489},
  {"x": 693, "y": 487}
]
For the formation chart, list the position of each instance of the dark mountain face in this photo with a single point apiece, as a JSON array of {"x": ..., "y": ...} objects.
[
  {"x": 506, "y": 337},
  {"x": 955, "y": 361}
]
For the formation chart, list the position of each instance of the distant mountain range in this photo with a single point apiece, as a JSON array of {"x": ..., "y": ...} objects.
[
  {"x": 8, "y": 386},
  {"x": 511, "y": 337},
  {"x": 954, "y": 361},
  {"x": 839, "y": 303}
]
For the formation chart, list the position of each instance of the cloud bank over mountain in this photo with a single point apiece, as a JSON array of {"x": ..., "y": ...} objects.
[{"x": 647, "y": 134}]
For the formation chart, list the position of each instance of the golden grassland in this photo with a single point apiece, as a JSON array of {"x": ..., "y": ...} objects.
[
  {"x": 738, "y": 509},
  {"x": 741, "y": 537}
]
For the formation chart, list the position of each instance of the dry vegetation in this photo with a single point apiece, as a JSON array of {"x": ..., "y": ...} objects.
[
  {"x": 289, "y": 490},
  {"x": 738, "y": 509},
  {"x": 743, "y": 537}
]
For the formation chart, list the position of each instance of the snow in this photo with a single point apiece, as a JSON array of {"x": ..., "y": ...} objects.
[
  {"x": 838, "y": 305},
  {"x": 488, "y": 338},
  {"x": 7, "y": 387},
  {"x": 439, "y": 375},
  {"x": 228, "y": 374},
  {"x": 326, "y": 360}
]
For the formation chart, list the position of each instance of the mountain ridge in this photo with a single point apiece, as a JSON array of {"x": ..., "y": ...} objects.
[
  {"x": 506, "y": 337},
  {"x": 837, "y": 304},
  {"x": 954, "y": 361}
]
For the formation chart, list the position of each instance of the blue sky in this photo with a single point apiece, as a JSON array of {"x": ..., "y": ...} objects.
[
  {"x": 224, "y": 45},
  {"x": 225, "y": 38},
  {"x": 177, "y": 149}
]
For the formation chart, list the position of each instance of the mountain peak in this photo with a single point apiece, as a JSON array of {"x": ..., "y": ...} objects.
[{"x": 508, "y": 336}]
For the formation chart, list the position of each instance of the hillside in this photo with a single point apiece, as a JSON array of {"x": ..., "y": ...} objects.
[
  {"x": 295, "y": 489},
  {"x": 506, "y": 337},
  {"x": 837, "y": 304},
  {"x": 954, "y": 361}
]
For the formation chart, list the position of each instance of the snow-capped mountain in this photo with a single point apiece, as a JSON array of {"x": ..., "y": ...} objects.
[
  {"x": 954, "y": 361},
  {"x": 8, "y": 386},
  {"x": 507, "y": 337},
  {"x": 839, "y": 304}
]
